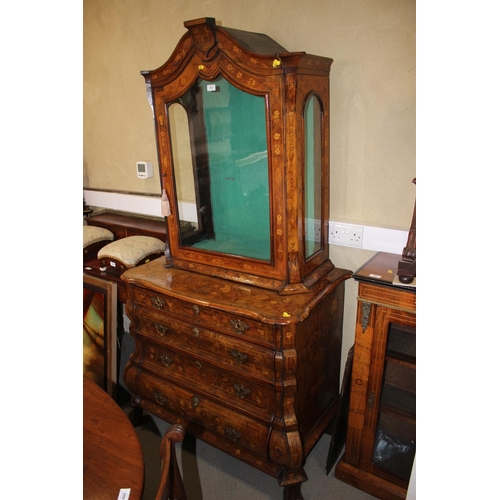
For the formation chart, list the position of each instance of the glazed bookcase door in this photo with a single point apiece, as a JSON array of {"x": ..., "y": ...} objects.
[{"x": 390, "y": 427}]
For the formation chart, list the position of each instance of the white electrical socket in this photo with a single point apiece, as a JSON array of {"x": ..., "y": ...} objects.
[{"x": 345, "y": 234}]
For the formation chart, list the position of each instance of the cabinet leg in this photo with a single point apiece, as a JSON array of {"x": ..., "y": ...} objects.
[
  {"x": 292, "y": 492},
  {"x": 291, "y": 483},
  {"x": 135, "y": 415}
]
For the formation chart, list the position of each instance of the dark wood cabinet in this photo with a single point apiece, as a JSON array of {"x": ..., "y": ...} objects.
[
  {"x": 381, "y": 431},
  {"x": 238, "y": 329}
]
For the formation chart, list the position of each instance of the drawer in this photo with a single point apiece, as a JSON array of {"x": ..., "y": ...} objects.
[
  {"x": 246, "y": 328},
  {"x": 165, "y": 399},
  {"x": 254, "y": 398},
  {"x": 205, "y": 344}
]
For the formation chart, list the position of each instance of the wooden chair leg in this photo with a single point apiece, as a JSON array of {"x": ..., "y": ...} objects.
[{"x": 171, "y": 485}]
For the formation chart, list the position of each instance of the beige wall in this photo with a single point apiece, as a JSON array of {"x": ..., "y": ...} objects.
[{"x": 372, "y": 109}]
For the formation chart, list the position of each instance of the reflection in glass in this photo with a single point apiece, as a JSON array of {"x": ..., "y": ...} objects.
[
  {"x": 183, "y": 163},
  {"x": 312, "y": 181},
  {"x": 219, "y": 150}
]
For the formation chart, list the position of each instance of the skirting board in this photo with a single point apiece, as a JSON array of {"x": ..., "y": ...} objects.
[
  {"x": 137, "y": 204},
  {"x": 378, "y": 239}
]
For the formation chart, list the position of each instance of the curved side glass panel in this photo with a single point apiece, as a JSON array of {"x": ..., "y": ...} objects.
[
  {"x": 219, "y": 149},
  {"x": 312, "y": 174},
  {"x": 183, "y": 168}
]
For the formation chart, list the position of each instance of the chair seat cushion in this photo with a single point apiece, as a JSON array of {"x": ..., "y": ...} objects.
[
  {"x": 131, "y": 251},
  {"x": 93, "y": 234}
]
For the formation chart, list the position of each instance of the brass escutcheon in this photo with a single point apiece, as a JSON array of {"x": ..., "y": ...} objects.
[
  {"x": 241, "y": 390},
  {"x": 160, "y": 398},
  {"x": 157, "y": 302},
  {"x": 166, "y": 360},
  {"x": 239, "y": 326},
  {"x": 161, "y": 329},
  {"x": 238, "y": 356},
  {"x": 233, "y": 434}
]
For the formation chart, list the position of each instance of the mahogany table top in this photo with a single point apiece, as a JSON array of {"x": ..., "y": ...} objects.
[{"x": 112, "y": 454}]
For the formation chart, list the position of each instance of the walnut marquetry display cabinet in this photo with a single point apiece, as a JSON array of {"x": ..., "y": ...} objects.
[
  {"x": 381, "y": 428},
  {"x": 238, "y": 329}
]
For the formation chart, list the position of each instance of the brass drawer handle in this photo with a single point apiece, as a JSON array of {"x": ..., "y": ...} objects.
[
  {"x": 160, "y": 398},
  {"x": 166, "y": 360},
  {"x": 196, "y": 309},
  {"x": 157, "y": 302},
  {"x": 239, "y": 326},
  {"x": 241, "y": 390},
  {"x": 161, "y": 329},
  {"x": 196, "y": 332},
  {"x": 195, "y": 401},
  {"x": 238, "y": 356},
  {"x": 233, "y": 434}
]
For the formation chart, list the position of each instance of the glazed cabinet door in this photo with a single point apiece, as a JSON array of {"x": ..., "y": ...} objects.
[
  {"x": 389, "y": 432},
  {"x": 381, "y": 430}
]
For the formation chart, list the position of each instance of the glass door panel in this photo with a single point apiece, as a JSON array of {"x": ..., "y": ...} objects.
[
  {"x": 226, "y": 207},
  {"x": 395, "y": 435},
  {"x": 312, "y": 181}
]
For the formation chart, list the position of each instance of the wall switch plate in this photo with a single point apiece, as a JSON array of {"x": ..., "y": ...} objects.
[{"x": 345, "y": 234}]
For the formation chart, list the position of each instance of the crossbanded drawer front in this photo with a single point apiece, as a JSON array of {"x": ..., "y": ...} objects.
[
  {"x": 246, "y": 328},
  {"x": 230, "y": 425},
  {"x": 202, "y": 342},
  {"x": 251, "y": 397}
]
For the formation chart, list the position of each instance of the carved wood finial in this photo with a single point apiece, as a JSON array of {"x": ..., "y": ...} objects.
[{"x": 203, "y": 33}]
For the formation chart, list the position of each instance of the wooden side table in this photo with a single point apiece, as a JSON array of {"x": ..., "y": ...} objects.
[
  {"x": 112, "y": 453},
  {"x": 381, "y": 429}
]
